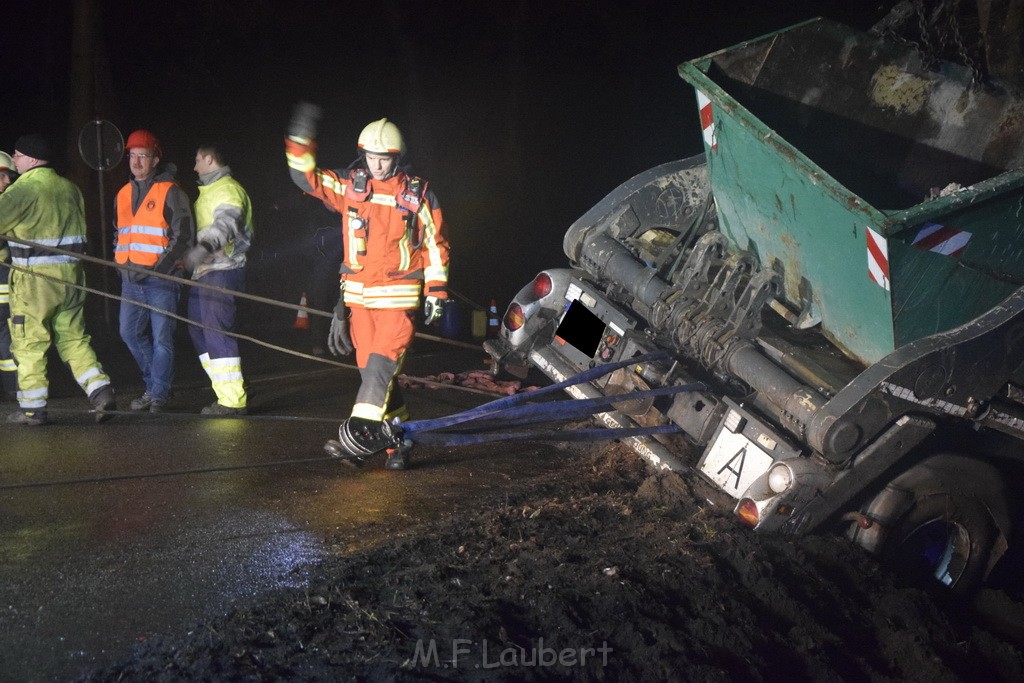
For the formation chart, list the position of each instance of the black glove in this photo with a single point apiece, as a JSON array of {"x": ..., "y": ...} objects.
[
  {"x": 196, "y": 255},
  {"x": 305, "y": 117},
  {"x": 338, "y": 340}
]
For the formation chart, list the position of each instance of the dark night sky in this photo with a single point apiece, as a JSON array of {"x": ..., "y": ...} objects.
[{"x": 520, "y": 114}]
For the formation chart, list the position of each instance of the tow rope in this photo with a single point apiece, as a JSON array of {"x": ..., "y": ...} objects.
[{"x": 492, "y": 420}]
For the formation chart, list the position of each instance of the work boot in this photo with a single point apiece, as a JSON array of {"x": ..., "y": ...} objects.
[
  {"x": 218, "y": 410},
  {"x": 104, "y": 403},
  {"x": 362, "y": 437},
  {"x": 336, "y": 450},
  {"x": 32, "y": 418},
  {"x": 147, "y": 402}
]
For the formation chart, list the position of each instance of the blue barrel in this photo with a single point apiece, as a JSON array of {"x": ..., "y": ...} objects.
[{"x": 453, "y": 320}]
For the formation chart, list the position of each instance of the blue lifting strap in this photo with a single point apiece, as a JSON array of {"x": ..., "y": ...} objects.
[{"x": 492, "y": 419}]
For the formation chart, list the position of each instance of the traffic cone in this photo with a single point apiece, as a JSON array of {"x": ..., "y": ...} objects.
[
  {"x": 301, "y": 317},
  {"x": 492, "y": 319}
]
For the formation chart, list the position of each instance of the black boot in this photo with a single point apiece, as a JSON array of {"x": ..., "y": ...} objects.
[
  {"x": 362, "y": 437},
  {"x": 32, "y": 418},
  {"x": 104, "y": 403}
]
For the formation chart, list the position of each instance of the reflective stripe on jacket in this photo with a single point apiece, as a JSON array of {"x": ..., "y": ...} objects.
[
  {"x": 36, "y": 256},
  {"x": 142, "y": 237}
]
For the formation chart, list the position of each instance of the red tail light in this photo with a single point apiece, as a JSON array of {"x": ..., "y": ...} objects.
[
  {"x": 514, "y": 317},
  {"x": 542, "y": 285},
  {"x": 747, "y": 512}
]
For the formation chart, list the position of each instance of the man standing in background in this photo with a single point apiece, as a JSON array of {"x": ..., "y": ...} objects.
[
  {"x": 8, "y": 368},
  {"x": 47, "y": 301},
  {"x": 224, "y": 219},
  {"x": 154, "y": 231}
]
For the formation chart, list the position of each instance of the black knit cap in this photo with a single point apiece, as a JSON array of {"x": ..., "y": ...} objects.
[{"x": 34, "y": 145}]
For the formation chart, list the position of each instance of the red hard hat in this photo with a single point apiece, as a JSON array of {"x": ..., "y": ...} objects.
[{"x": 143, "y": 138}]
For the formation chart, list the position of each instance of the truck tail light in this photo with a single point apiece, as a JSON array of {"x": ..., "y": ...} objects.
[
  {"x": 514, "y": 317},
  {"x": 747, "y": 512},
  {"x": 542, "y": 285}
]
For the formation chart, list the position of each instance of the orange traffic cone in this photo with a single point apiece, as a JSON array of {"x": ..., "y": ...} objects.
[
  {"x": 301, "y": 317},
  {"x": 492, "y": 319}
]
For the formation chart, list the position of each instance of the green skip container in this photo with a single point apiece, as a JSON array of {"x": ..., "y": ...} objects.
[{"x": 887, "y": 193}]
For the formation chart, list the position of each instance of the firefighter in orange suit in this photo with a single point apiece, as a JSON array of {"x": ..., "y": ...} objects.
[{"x": 395, "y": 256}]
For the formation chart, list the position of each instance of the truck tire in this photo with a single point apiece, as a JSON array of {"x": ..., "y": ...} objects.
[{"x": 935, "y": 522}]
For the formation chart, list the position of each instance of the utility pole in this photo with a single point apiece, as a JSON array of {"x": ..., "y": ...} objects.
[{"x": 87, "y": 67}]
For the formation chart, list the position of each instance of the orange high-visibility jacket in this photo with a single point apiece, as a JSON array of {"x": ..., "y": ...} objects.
[
  {"x": 389, "y": 258},
  {"x": 142, "y": 237}
]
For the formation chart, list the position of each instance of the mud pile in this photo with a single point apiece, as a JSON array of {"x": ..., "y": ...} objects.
[{"x": 598, "y": 572}]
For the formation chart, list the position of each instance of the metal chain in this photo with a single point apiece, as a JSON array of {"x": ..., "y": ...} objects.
[
  {"x": 936, "y": 34},
  {"x": 927, "y": 51},
  {"x": 958, "y": 42}
]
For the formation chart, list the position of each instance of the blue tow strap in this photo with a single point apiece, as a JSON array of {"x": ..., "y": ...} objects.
[{"x": 520, "y": 409}]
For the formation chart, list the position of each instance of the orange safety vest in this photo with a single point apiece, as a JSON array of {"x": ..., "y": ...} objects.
[{"x": 142, "y": 237}]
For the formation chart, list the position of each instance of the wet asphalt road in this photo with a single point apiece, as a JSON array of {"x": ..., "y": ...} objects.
[{"x": 115, "y": 533}]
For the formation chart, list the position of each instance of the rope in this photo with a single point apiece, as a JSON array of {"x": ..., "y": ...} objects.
[
  {"x": 163, "y": 276},
  {"x": 151, "y": 475},
  {"x": 507, "y": 410},
  {"x": 193, "y": 283}
]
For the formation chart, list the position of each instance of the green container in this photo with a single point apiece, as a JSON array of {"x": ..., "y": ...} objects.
[{"x": 827, "y": 148}]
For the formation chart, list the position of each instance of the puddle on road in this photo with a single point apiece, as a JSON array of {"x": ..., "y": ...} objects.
[{"x": 94, "y": 566}]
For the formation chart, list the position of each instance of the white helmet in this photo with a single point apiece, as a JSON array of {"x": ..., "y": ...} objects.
[
  {"x": 7, "y": 163},
  {"x": 382, "y": 137}
]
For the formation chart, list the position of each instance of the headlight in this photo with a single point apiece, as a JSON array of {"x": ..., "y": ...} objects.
[{"x": 780, "y": 477}]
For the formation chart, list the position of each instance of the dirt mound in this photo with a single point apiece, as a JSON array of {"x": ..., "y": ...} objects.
[{"x": 602, "y": 572}]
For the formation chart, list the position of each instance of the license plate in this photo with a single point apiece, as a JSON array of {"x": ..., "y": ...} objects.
[{"x": 734, "y": 462}]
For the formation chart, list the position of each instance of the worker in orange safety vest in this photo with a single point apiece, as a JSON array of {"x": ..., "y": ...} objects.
[
  {"x": 395, "y": 252},
  {"x": 155, "y": 229}
]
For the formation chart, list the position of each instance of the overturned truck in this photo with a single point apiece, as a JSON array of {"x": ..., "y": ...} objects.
[{"x": 842, "y": 269}]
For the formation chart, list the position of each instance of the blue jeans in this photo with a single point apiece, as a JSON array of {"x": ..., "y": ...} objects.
[{"x": 149, "y": 334}]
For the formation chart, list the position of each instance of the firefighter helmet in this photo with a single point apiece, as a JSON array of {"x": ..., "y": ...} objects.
[
  {"x": 6, "y": 162},
  {"x": 382, "y": 137}
]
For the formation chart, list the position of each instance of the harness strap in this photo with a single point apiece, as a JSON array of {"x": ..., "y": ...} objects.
[
  {"x": 460, "y": 439},
  {"x": 519, "y": 410},
  {"x": 508, "y": 401}
]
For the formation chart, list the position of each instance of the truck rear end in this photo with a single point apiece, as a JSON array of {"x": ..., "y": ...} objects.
[{"x": 841, "y": 269}]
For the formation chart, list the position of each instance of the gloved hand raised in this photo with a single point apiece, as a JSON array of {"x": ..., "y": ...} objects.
[
  {"x": 305, "y": 117},
  {"x": 339, "y": 342},
  {"x": 433, "y": 307},
  {"x": 196, "y": 255}
]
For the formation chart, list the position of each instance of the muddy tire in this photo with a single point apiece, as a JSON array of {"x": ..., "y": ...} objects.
[{"x": 935, "y": 522}]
